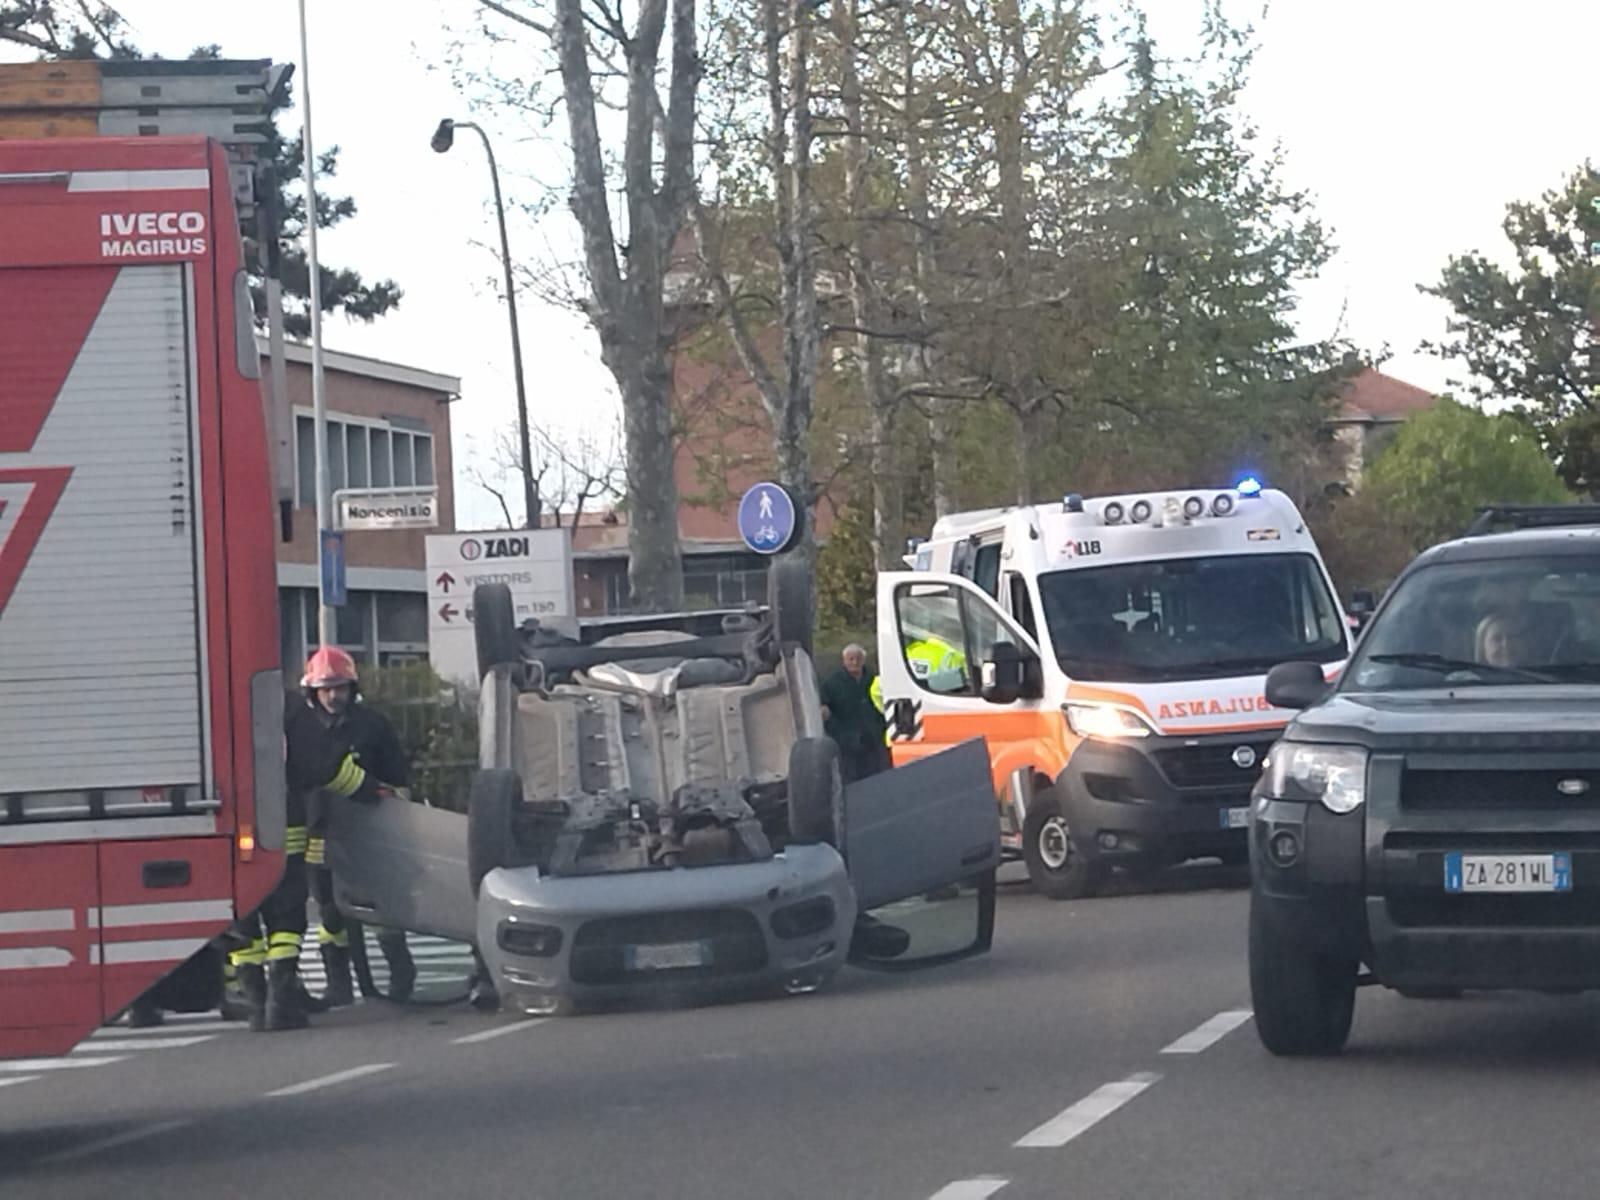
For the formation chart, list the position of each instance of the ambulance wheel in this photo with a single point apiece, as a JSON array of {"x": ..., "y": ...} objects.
[
  {"x": 494, "y": 627},
  {"x": 491, "y": 823},
  {"x": 1056, "y": 864},
  {"x": 816, "y": 792},
  {"x": 790, "y": 599}
]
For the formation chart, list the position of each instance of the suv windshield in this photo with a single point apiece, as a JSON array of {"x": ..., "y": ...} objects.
[
  {"x": 1191, "y": 618},
  {"x": 1510, "y": 621}
]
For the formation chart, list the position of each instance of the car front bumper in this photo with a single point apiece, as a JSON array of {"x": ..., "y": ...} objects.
[
  {"x": 688, "y": 932},
  {"x": 1160, "y": 800}
]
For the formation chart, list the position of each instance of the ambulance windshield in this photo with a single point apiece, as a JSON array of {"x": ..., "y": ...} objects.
[{"x": 1191, "y": 618}]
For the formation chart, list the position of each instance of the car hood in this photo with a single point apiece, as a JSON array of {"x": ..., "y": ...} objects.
[{"x": 1479, "y": 717}]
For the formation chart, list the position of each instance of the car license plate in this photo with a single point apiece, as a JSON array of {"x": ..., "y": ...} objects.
[
  {"x": 1235, "y": 818},
  {"x": 1507, "y": 872},
  {"x": 666, "y": 956}
]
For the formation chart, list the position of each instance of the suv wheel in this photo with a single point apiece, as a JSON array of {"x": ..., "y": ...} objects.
[
  {"x": 816, "y": 792},
  {"x": 491, "y": 823},
  {"x": 494, "y": 627},
  {"x": 1304, "y": 1001},
  {"x": 1056, "y": 864}
]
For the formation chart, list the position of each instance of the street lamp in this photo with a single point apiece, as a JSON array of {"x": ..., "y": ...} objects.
[{"x": 443, "y": 139}]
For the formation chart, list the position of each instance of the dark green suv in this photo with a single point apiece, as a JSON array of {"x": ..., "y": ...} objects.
[{"x": 1431, "y": 821}]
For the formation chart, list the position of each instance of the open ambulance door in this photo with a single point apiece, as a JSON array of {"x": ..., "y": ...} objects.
[{"x": 952, "y": 666}]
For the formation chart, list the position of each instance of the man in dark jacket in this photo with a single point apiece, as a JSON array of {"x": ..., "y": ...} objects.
[
  {"x": 332, "y": 723},
  {"x": 850, "y": 717}
]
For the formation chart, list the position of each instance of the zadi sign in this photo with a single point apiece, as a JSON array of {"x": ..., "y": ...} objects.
[
  {"x": 389, "y": 508},
  {"x": 536, "y": 564}
]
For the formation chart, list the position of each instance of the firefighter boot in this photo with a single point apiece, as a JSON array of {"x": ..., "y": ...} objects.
[
  {"x": 402, "y": 967},
  {"x": 253, "y": 987},
  {"x": 284, "y": 1007},
  {"x": 336, "y": 965}
]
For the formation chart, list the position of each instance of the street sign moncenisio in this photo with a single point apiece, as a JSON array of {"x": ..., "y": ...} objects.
[{"x": 768, "y": 520}]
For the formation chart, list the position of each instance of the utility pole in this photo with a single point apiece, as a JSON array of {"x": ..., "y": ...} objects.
[{"x": 326, "y": 632}]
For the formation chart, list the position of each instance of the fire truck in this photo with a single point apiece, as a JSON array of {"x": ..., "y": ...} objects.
[
  {"x": 142, "y": 797},
  {"x": 1113, "y": 652}
]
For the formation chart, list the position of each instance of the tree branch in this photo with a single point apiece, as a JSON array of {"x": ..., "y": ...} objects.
[{"x": 538, "y": 26}]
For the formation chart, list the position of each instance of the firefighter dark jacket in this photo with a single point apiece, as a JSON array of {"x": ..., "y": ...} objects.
[{"x": 320, "y": 748}]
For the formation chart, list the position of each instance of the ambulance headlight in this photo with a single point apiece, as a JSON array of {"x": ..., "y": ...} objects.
[
  {"x": 1141, "y": 511},
  {"x": 1106, "y": 722},
  {"x": 1113, "y": 513},
  {"x": 1222, "y": 505},
  {"x": 1193, "y": 507}
]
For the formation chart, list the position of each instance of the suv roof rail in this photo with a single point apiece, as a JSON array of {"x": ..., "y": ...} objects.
[{"x": 1532, "y": 516}]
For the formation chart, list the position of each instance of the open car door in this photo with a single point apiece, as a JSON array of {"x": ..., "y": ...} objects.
[
  {"x": 403, "y": 865},
  {"x": 922, "y": 843}
]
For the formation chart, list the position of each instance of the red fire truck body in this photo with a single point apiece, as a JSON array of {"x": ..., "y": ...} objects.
[{"x": 141, "y": 776}]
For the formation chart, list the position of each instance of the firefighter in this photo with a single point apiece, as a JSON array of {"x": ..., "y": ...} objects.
[{"x": 333, "y": 721}]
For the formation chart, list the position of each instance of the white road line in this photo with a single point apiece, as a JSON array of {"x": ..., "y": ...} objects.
[
  {"x": 1086, "y": 1113},
  {"x": 1210, "y": 1033},
  {"x": 94, "y": 1046},
  {"x": 122, "y": 1139},
  {"x": 498, "y": 1031},
  {"x": 970, "y": 1189},
  {"x": 312, "y": 1085},
  {"x": 56, "y": 1064},
  {"x": 19, "y": 1079},
  {"x": 164, "y": 1030}
]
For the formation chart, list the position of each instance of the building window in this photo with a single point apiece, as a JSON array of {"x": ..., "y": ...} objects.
[
  {"x": 375, "y": 627},
  {"x": 361, "y": 454}
]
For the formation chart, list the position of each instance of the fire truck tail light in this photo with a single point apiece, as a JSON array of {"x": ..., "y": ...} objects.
[{"x": 247, "y": 845}]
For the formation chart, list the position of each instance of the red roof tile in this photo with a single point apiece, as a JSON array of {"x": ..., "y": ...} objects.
[{"x": 1374, "y": 396}]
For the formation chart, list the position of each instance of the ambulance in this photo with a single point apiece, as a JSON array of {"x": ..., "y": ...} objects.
[{"x": 1113, "y": 652}]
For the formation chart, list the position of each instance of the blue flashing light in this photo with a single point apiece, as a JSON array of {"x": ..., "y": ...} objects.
[{"x": 1249, "y": 486}]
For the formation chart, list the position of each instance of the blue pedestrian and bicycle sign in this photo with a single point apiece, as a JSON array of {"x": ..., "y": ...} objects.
[{"x": 768, "y": 521}]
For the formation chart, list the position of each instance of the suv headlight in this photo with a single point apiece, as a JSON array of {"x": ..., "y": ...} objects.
[
  {"x": 1105, "y": 721},
  {"x": 1334, "y": 775}
]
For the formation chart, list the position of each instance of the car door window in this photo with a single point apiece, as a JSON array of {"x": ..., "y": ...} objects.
[
  {"x": 1022, "y": 605},
  {"x": 933, "y": 638},
  {"x": 986, "y": 568},
  {"x": 983, "y": 627}
]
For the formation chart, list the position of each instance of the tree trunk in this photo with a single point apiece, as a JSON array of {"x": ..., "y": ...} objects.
[
  {"x": 882, "y": 399},
  {"x": 1027, "y": 433},
  {"x": 655, "y": 564},
  {"x": 942, "y": 415}
]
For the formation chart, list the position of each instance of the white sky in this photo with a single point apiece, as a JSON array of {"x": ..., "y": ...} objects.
[{"x": 1412, "y": 122}]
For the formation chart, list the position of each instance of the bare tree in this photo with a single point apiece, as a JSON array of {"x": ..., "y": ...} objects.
[
  {"x": 595, "y": 50},
  {"x": 573, "y": 471},
  {"x": 788, "y": 391}
]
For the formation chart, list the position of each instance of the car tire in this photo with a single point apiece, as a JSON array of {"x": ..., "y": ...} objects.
[
  {"x": 491, "y": 823},
  {"x": 1304, "y": 1002},
  {"x": 1056, "y": 864},
  {"x": 816, "y": 792},
  {"x": 494, "y": 627},
  {"x": 789, "y": 596}
]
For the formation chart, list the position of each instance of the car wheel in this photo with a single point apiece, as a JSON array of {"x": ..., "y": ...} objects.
[
  {"x": 494, "y": 627},
  {"x": 1056, "y": 864},
  {"x": 789, "y": 596},
  {"x": 1304, "y": 1001},
  {"x": 491, "y": 831},
  {"x": 816, "y": 792}
]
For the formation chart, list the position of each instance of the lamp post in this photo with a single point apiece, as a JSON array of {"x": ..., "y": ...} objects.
[{"x": 443, "y": 139}]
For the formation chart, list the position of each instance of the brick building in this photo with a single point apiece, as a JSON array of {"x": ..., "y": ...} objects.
[{"x": 388, "y": 426}]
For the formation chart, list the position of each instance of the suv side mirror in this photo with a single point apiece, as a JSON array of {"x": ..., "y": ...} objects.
[
  {"x": 1295, "y": 685},
  {"x": 1010, "y": 673}
]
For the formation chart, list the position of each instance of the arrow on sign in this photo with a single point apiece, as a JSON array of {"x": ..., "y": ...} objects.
[
  {"x": 448, "y": 612},
  {"x": 445, "y": 581}
]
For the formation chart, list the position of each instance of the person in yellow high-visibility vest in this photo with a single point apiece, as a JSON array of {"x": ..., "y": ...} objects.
[{"x": 935, "y": 664}]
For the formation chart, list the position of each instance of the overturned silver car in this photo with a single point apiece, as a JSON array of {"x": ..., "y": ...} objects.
[{"x": 657, "y": 810}]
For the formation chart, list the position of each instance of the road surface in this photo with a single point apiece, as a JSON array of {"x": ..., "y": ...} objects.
[{"x": 1104, "y": 1049}]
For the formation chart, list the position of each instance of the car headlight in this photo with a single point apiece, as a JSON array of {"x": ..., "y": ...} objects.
[
  {"x": 1334, "y": 775},
  {"x": 1105, "y": 721}
]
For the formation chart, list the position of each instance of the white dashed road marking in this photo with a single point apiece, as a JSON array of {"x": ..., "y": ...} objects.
[
  {"x": 1210, "y": 1033},
  {"x": 497, "y": 1031},
  {"x": 312, "y": 1085},
  {"x": 970, "y": 1189},
  {"x": 19, "y": 1079},
  {"x": 99, "y": 1046},
  {"x": 56, "y": 1064},
  {"x": 1086, "y": 1113},
  {"x": 111, "y": 1143}
]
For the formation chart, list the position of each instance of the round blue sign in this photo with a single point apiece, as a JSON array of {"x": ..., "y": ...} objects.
[{"x": 767, "y": 519}]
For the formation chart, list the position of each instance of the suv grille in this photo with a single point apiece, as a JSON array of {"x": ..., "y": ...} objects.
[
  {"x": 1211, "y": 765},
  {"x": 1458, "y": 789},
  {"x": 733, "y": 937}
]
